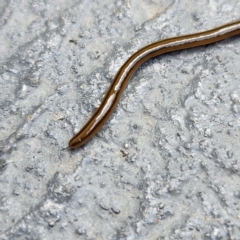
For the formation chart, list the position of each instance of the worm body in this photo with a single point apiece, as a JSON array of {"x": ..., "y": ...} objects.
[{"x": 113, "y": 94}]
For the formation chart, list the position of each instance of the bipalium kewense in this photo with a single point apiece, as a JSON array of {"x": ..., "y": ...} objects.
[{"x": 112, "y": 96}]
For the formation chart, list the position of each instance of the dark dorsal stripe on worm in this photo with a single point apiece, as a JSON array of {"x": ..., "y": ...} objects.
[{"x": 113, "y": 94}]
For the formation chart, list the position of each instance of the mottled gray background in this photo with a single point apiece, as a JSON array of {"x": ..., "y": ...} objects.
[{"x": 165, "y": 166}]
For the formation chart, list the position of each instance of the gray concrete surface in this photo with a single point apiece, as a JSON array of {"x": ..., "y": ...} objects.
[{"x": 166, "y": 165}]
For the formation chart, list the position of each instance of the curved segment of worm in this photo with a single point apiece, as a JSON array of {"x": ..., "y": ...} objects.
[{"x": 113, "y": 94}]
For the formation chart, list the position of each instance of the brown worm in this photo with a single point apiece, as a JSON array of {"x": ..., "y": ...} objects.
[{"x": 113, "y": 94}]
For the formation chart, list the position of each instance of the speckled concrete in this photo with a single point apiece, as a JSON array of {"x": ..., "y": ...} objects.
[{"x": 166, "y": 165}]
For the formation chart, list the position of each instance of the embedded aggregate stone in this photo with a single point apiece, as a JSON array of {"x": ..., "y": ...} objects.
[{"x": 165, "y": 166}]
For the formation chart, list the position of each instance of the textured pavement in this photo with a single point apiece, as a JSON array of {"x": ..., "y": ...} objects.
[{"x": 167, "y": 163}]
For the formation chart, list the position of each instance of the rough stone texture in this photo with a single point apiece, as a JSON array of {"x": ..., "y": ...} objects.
[{"x": 166, "y": 165}]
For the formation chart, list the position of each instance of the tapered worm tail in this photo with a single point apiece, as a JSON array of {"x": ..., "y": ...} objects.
[{"x": 113, "y": 94}]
